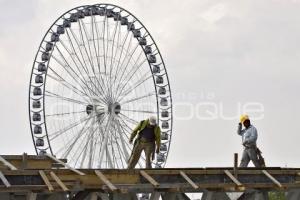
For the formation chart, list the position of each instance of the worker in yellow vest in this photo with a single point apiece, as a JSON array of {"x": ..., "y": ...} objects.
[{"x": 148, "y": 137}]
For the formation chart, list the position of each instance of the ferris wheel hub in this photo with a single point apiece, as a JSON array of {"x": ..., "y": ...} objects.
[{"x": 114, "y": 108}]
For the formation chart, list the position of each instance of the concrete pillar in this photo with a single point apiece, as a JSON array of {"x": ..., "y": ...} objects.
[
  {"x": 175, "y": 196},
  {"x": 4, "y": 196},
  {"x": 31, "y": 196},
  {"x": 155, "y": 196},
  {"x": 119, "y": 196},
  {"x": 182, "y": 196},
  {"x": 254, "y": 195},
  {"x": 103, "y": 196},
  {"x": 93, "y": 196},
  {"x": 293, "y": 194},
  {"x": 168, "y": 196},
  {"x": 214, "y": 196}
]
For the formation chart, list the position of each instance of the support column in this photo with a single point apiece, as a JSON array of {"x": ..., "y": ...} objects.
[
  {"x": 5, "y": 196},
  {"x": 31, "y": 196},
  {"x": 155, "y": 196},
  {"x": 215, "y": 196},
  {"x": 254, "y": 195},
  {"x": 103, "y": 196},
  {"x": 119, "y": 196},
  {"x": 175, "y": 196},
  {"x": 293, "y": 194}
]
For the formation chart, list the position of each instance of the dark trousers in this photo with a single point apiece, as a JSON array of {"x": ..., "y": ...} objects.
[{"x": 147, "y": 147}]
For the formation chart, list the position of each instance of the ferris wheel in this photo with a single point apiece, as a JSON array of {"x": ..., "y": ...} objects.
[{"x": 96, "y": 75}]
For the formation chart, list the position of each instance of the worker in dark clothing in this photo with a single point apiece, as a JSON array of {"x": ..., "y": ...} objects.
[
  {"x": 148, "y": 137},
  {"x": 249, "y": 138}
]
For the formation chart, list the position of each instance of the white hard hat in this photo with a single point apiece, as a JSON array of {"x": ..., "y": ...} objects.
[{"x": 152, "y": 120}]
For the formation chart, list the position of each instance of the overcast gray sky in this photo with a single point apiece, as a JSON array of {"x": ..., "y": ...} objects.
[{"x": 229, "y": 54}]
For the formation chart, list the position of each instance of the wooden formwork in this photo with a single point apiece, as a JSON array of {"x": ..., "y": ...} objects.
[{"x": 45, "y": 177}]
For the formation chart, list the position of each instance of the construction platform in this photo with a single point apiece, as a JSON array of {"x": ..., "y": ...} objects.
[{"x": 28, "y": 177}]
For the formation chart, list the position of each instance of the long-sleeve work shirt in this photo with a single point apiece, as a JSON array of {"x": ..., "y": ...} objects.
[{"x": 249, "y": 135}]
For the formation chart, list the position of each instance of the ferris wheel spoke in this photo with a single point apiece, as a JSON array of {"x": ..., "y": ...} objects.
[
  {"x": 89, "y": 53},
  {"x": 94, "y": 27},
  {"x": 68, "y": 65},
  {"x": 126, "y": 66},
  {"x": 132, "y": 88},
  {"x": 56, "y": 134},
  {"x": 127, "y": 54},
  {"x": 116, "y": 139},
  {"x": 118, "y": 50},
  {"x": 128, "y": 61},
  {"x": 68, "y": 148},
  {"x": 103, "y": 43},
  {"x": 82, "y": 150},
  {"x": 138, "y": 98},
  {"x": 122, "y": 154},
  {"x": 91, "y": 147},
  {"x": 75, "y": 57},
  {"x": 133, "y": 121},
  {"x": 105, "y": 140},
  {"x": 98, "y": 42},
  {"x": 131, "y": 76},
  {"x": 53, "y": 95},
  {"x": 63, "y": 114},
  {"x": 64, "y": 65},
  {"x": 83, "y": 147},
  {"x": 67, "y": 84},
  {"x": 112, "y": 56},
  {"x": 120, "y": 56},
  {"x": 123, "y": 142},
  {"x": 109, "y": 158},
  {"x": 141, "y": 111},
  {"x": 107, "y": 28},
  {"x": 85, "y": 64}
]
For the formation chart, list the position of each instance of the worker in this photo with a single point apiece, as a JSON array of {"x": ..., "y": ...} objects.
[
  {"x": 249, "y": 138},
  {"x": 148, "y": 136}
]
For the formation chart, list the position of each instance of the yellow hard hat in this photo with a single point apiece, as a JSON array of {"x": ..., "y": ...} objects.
[{"x": 243, "y": 118}]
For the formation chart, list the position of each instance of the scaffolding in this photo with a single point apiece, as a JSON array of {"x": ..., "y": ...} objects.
[{"x": 45, "y": 177}]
